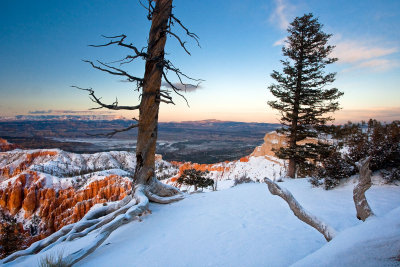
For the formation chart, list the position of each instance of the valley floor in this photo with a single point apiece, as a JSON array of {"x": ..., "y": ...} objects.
[{"x": 243, "y": 226}]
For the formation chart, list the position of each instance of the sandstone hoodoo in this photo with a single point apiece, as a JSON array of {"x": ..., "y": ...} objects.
[{"x": 59, "y": 188}]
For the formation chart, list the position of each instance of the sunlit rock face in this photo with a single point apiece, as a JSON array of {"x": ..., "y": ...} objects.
[{"x": 274, "y": 141}]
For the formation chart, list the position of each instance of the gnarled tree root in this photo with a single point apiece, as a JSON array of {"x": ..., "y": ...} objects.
[
  {"x": 106, "y": 218},
  {"x": 327, "y": 231}
]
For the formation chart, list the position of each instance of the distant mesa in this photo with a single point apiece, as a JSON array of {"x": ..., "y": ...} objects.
[{"x": 62, "y": 117}]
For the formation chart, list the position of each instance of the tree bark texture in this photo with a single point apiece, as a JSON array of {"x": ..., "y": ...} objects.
[{"x": 150, "y": 103}]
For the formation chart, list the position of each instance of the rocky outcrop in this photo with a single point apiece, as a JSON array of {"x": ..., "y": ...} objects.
[
  {"x": 59, "y": 207},
  {"x": 274, "y": 141},
  {"x": 6, "y": 146},
  {"x": 58, "y": 188}
]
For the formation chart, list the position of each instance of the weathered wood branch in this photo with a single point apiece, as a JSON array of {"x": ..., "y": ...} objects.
[
  {"x": 113, "y": 106},
  {"x": 179, "y": 40},
  {"x": 190, "y": 34},
  {"x": 327, "y": 231},
  {"x": 115, "y": 131},
  {"x": 116, "y": 71},
  {"x": 170, "y": 67},
  {"x": 149, "y": 8},
  {"x": 364, "y": 183},
  {"x": 174, "y": 88},
  {"x": 120, "y": 42}
]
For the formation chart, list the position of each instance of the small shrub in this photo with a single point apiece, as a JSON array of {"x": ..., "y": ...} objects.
[
  {"x": 196, "y": 178},
  {"x": 331, "y": 170},
  {"x": 315, "y": 181},
  {"x": 242, "y": 180},
  {"x": 54, "y": 260},
  {"x": 391, "y": 175}
]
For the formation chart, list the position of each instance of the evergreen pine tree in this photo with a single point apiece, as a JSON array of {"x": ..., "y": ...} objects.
[{"x": 303, "y": 101}]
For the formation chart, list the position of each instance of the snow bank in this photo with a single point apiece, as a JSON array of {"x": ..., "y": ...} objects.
[
  {"x": 245, "y": 226},
  {"x": 375, "y": 242}
]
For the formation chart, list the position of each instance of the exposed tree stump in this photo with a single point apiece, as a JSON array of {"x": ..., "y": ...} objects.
[{"x": 364, "y": 183}]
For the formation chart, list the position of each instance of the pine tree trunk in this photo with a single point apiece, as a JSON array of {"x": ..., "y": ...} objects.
[
  {"x": 292, "y": 168},
  {"x": 149, "y": 107},
  {"x": 294, "y": 129}
]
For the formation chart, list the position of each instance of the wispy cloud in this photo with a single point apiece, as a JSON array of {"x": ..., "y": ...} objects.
[
  {"x": 379, "y": 64},
  {"x": 387, "y": 114},
  {"x": 183, "y": 87},
  {"x": 280, "y": 42},
  {"x": 281, "y": 14},
  {"x": 67, "y": 111},
  {"x": 41, "y": 111},
  {"x": 359, "y": 54}
]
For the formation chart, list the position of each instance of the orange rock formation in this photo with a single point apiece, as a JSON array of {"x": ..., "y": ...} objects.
[
  {"x": 60, "y": 207},
  {"x": 273, "y": 141},
  {"x": 6, "y": 146}
]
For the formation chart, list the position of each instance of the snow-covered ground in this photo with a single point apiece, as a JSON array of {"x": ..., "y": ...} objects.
[{"x": 247, "y": 226}]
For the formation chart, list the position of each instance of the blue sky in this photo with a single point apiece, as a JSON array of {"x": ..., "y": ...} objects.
[{"x": 42, "y": 44}]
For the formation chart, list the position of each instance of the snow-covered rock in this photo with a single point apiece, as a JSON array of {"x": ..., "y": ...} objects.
[{"x": 60, "y": 187}]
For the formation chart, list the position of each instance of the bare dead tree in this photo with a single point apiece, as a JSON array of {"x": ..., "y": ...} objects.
[
  {"x": 327, "y": 231},
  {"x": 147, "y": 188},
  {"x": 364, "y": 183}
]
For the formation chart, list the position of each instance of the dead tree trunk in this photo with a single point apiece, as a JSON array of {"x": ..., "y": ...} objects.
[
  {"x": 149, "y": 106},
  {"x": 364, "y": 183},
  {"x": 327, "y": 231}
]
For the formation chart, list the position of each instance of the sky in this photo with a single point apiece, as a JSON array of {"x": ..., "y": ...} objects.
[{"x": 43, "y": 43}]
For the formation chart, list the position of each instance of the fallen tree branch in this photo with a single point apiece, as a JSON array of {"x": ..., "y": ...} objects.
[{"x": 327, "y": 231}]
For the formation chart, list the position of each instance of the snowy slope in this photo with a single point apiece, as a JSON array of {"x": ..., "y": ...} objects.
[
  {"x": 240, "y": 226},
  {"x": 373, "y": 243}
]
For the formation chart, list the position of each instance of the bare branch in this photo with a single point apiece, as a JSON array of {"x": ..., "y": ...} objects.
[
  {"x": 113, "y": 106},
  {"x": 170, "y": 67},
  {"x": 165, "y": 94},
  {"x": 179, "y": 40},
  {"x": 190, "y": 34},
  {"x": 115, "y": 131},
  {"x": 116, "y": 71},
  {"x": 173, "y": 87},
  {"x": 120, "y": 42},
  {"x": 150, "y": 9}
]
